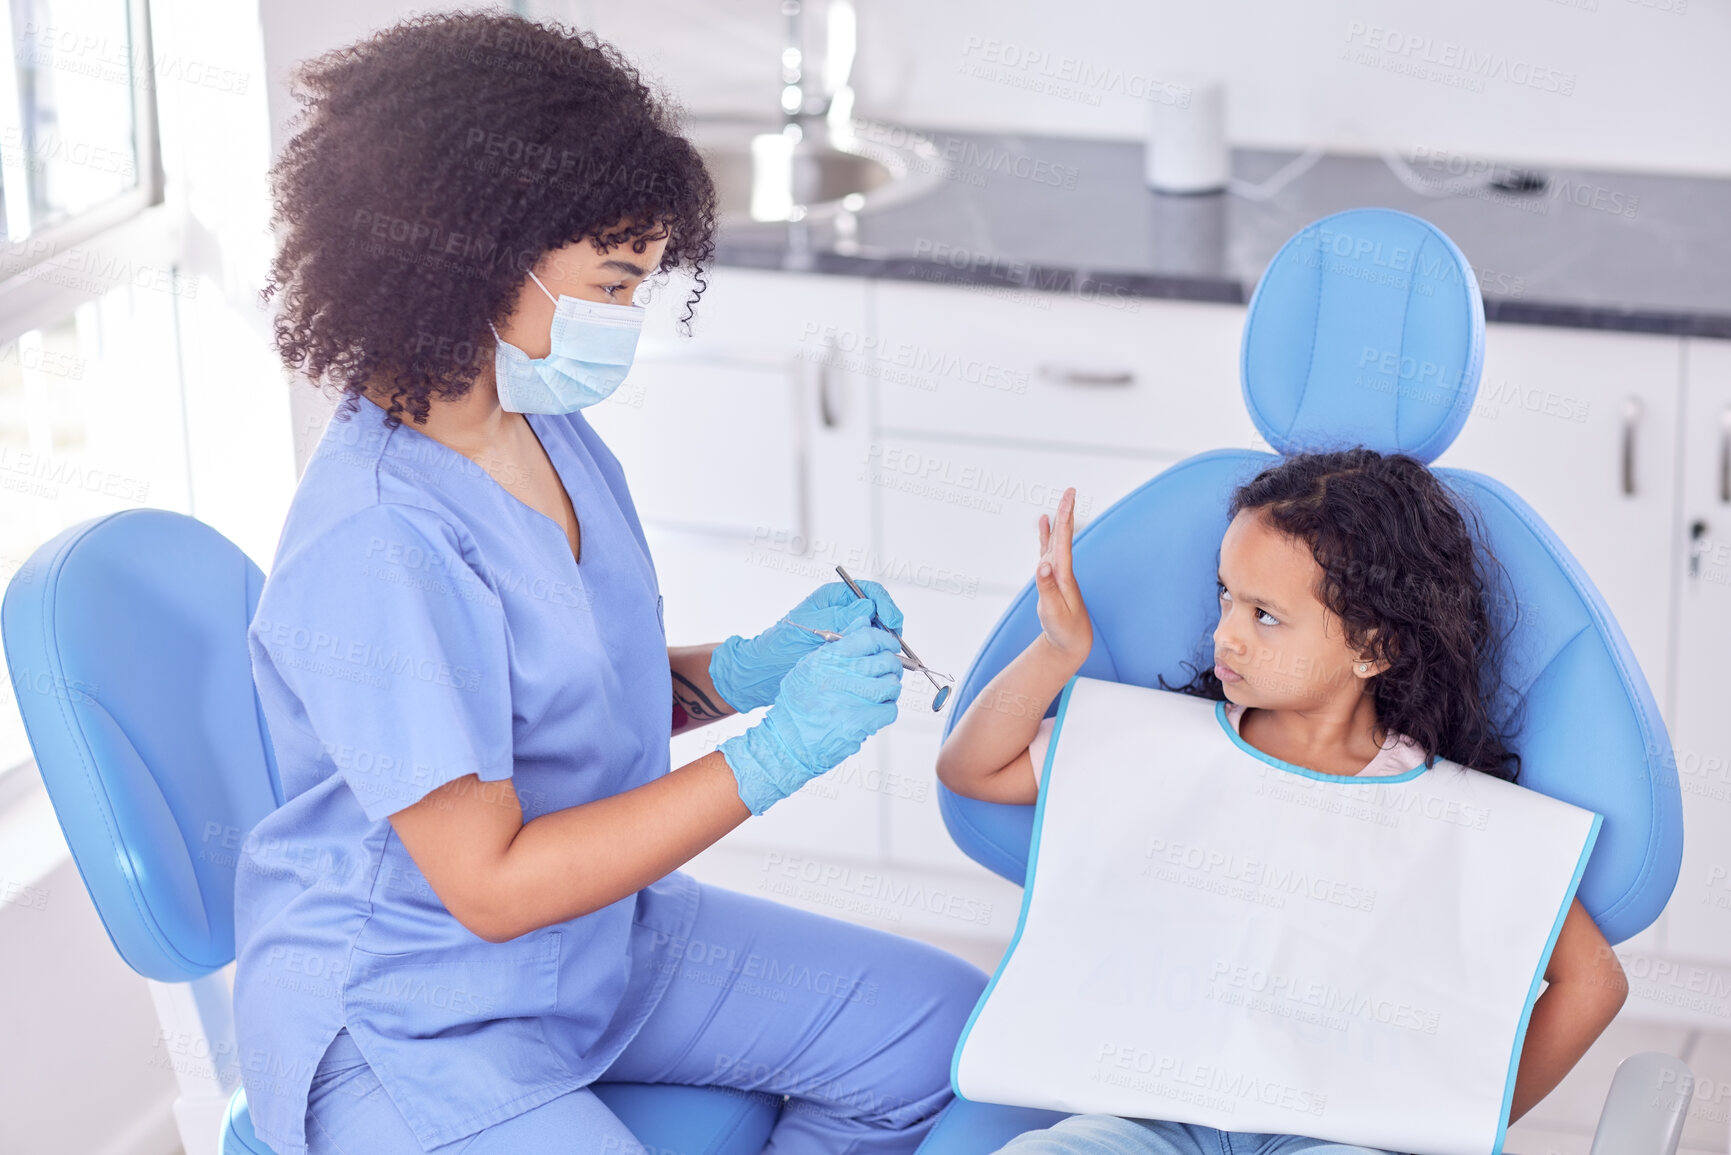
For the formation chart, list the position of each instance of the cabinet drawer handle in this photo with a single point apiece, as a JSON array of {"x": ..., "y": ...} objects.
[
  {"x": 1063, "y": 375},
  {"x": 1725, "y": 456},
  {"x": 1631, "y": 418},
  {"x": 828, "y": 407}
]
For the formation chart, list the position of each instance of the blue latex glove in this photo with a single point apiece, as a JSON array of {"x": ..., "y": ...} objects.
[
  {"x": 833, "y": 699},
  {"x": 748, "y": 672}
]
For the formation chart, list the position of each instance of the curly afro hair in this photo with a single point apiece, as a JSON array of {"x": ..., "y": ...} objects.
[
  {"x": 1396, "y": 557},
  {"x": 439, "y": 160}
]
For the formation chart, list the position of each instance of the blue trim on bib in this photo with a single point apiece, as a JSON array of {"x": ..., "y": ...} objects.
[
  {"x": 1533, "y": 991},
  {"x": 1027, "y": 888},
  {"x": 1220, "y": 716}
]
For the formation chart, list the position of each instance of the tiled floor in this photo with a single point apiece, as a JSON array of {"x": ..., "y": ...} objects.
[{"x": 1564, "y": 1123}]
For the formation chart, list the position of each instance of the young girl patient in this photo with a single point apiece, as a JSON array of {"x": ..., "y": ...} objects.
[{"x": 1354, "y": 640}]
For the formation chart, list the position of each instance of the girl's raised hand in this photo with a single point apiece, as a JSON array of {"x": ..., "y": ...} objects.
[{"x": 1063, "y": 618}]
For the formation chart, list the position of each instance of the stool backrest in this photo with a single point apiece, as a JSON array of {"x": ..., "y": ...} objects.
[{"x": 127, "y": 647}]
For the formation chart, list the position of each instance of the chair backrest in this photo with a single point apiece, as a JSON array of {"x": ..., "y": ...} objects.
[
  {"x": 128, "y": 651},
  {"x": 1368, "y": 329}
]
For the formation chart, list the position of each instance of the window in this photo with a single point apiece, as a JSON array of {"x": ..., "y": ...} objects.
[
  {"x": 91, "y": 412},
  {"x": 77, "y": 124}
]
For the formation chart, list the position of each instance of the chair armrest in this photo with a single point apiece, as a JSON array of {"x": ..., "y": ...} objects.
[{"x": 1643, "y": 1114}]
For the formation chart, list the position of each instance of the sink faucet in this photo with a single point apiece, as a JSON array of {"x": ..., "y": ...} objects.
[
  {"x": 797, "y": 103},
  {"x": 793, "y": 98}
]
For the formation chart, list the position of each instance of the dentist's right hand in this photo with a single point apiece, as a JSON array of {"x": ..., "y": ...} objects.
[{"x": 829, "y": 703}]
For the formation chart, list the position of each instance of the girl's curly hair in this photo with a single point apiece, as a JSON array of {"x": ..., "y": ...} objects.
[
  {"x": 439, "y": 160},
  {"x": 1396, "y": 557}
]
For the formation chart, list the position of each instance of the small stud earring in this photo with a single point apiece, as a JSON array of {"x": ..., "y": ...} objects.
[{"x": 1363, "y": 666}]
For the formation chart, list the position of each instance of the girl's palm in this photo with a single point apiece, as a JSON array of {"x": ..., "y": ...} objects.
[{"x": 1063, "y": 616}]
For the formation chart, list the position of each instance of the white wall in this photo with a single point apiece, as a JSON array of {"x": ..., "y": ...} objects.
[
  {"x": 1650, "y": 88},
  {"x": 297, "y": 30},
  {"x": 215, "y": 156}
]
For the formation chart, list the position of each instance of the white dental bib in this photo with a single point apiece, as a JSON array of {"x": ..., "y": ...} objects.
[{"x": 1211, "y": 935}]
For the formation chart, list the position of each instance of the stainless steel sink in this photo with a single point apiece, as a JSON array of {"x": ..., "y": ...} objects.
[{"x": 765, "y": 171}]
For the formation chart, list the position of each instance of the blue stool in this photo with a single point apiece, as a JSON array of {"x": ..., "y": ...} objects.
[
  {"x": 152, "y": 747},
  {"x": 1367, "y": 329}
]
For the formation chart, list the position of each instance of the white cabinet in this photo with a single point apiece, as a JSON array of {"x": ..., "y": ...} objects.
[
  {"x": 710, "y": 444},
  {"x": 1146, "y": 376},
  {"x": 951, "y": 628},
  {"x": 1582, "y": 425},
  {"x": 1697, "y": 923},
  {"x": 720, "y": 431},
  {"x": 970, "y": 510}
]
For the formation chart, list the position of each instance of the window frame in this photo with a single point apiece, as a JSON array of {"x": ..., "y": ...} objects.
[{"x": 128, "y": 226}]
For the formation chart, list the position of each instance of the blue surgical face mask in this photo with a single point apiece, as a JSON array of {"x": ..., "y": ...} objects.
[{"x": 592, "y": 346}]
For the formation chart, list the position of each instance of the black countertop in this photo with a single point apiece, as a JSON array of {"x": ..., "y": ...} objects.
[{"x": 1643, "y": 252}]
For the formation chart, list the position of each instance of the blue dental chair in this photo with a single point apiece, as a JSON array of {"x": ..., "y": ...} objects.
[
  {"x": 1367, "y": 328},
  {"x": 154, "y": 752}
]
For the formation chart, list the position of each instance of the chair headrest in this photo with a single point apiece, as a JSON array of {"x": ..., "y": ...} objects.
[{"x": 1366, "y": 329}]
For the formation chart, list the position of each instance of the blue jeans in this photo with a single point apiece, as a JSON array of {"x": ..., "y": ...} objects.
[
  {"x": 857, "y": 1025},
  {"x": 1110, "y": 1135}
]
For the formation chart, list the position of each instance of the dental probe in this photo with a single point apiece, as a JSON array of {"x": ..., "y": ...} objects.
[{"x": 943, "y": 691}]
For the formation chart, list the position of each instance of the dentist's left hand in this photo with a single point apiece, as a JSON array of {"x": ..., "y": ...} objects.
[{"x": 747, "y": 672}]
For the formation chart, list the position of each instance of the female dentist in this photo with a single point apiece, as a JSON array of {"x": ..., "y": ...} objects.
[{"x": 468, "y": 908}]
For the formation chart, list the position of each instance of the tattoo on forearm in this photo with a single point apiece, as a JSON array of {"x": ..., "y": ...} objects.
[{"x": 694, "y": 701}]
